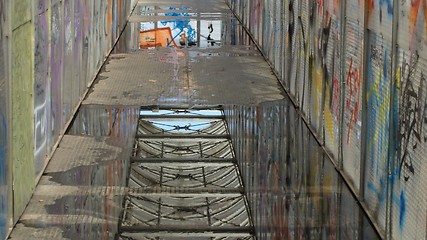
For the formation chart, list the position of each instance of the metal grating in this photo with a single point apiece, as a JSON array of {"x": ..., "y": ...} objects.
[{"x": 184, "y": 182}]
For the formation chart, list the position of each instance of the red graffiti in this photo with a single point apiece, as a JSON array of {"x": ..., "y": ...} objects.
[
  {"x": 370, "y": 6},
  {"x": 320, "y": 7},
  {"x": 333, "y": 7},
  {"x": 352, "y": 101},
  {"x": 335, "y": 103},
  {"x": 413, "y": 16}
]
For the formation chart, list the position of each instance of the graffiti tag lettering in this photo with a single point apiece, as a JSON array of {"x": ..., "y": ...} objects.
[
  {"x": 413, "y": 106},
  {"x": 352, "y": 101}
]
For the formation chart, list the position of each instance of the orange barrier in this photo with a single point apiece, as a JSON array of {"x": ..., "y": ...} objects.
[{"x": 160, "y": 37}]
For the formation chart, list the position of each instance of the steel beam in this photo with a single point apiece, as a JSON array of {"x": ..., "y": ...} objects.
[
  {"x": 177, "y": 117},
  {"x": 190, "y": 137},
  {"x": 187, "y": 230}
]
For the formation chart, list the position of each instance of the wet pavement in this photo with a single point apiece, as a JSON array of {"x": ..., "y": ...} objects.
[
  {"x": 105, "y": 180},
  {"x": 217, "y": 64}
]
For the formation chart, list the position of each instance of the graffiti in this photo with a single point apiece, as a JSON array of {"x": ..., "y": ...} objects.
[
  {"x": 415, "y": 9},
  {"x": 41, "y": 71},
  {"x": 413, "y": 106},
  {"x": 352, "y": 101},
  {"x": 336, "y": 7},
  {"x": 181, "y": 28},
  {"x": 370, "y": 7},
  {"x": 320, "y": 6},
  {"x": 256, "y": 19},
  {"x": 335, "y": 99},
  {"x": 378, "y": 100},
  {"x": 389, "y": 6}
]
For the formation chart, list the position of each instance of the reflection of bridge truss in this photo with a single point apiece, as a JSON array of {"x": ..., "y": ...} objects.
[{"x": 184, "y": 182}]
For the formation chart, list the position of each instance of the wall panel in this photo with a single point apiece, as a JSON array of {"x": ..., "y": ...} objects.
[
  {"x": 5, "y": 164},
  {"x": 353, "y": 81},
  {"x": 41, "y": 88},
  {"x": 356, "y": 69},
  {"x": 409, "y": 197},
  {"x": 56, "y": 71},
  {"x": 377, "y": 125},
  {"x": 292, "y": 45},
  {"x": 332, "y": 58},
  {"x": 409, "y": 194},
  {"x": 303, "y": 80},
  {"x": 22, "y": 112}
]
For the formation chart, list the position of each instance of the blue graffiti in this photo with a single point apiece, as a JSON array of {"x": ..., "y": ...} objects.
[
  {"x": 182, "y": 25},
  {"x": 378, "y": 111},
  {"x": 389, "y": 9},
  {"x": 380, "y": 192},
  {"x": 402, "y": 210},
  {"x": 389, "y": 4}
]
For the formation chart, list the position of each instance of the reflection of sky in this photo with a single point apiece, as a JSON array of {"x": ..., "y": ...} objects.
[
  {"x": 187, "y": 113},
  {"x": 193, "y": 124}
]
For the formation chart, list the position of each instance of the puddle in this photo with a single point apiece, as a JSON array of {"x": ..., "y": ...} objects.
[
  {"x": 183, "y": 157},
  {"x": 184, "y": 180},
  {"x": 292, "y": 186}
]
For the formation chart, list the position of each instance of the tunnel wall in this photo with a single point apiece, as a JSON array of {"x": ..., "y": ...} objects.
[
  {"x": 50, "y": 53},
  {"x": 356, "y": 72}
]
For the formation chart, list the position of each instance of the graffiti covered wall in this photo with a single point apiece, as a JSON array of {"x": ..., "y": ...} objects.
[
  {"x": 356, "y": 70},
  {"x": 50, "y": 53},
  {"x": 293, "y": 188}
]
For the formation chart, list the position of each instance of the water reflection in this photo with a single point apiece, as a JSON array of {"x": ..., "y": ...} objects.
[
  {"x": 294, "y": 190},
  {"x": 118, "y": 123},
  {"x": 82, "y": 190}
]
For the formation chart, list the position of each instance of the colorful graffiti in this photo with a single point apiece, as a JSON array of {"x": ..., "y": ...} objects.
[
  {"x": 292, "y": 187},
  {"x": 414, "y": 12},
  {"x": 407, "y": 174},
  {"x": 180, "y": 27},
  {"x": 378, "y": 120},
  {"x": 372, "y": 124}
]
